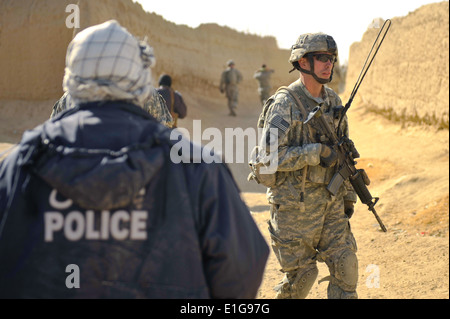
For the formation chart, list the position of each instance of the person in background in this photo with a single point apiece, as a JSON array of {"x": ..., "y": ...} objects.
[
  {"x": 174, "y": 99},
  {"x": 263, "y": 77},
  {"x": 229, "y": 81},
  {"x": 93, "y": 204}
]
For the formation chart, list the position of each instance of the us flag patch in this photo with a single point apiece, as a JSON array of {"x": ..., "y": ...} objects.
[{"x": 279, "y": 123}]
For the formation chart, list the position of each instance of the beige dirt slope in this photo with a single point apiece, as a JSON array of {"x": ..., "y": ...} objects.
[
  {"x": 407, "y": 162},
  {"x": 409, "y": 77}
]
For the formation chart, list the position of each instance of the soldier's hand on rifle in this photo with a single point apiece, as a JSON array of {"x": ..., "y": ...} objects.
[
  {"x": 328, "y": 157},
  {"x": 349, "y": 208}
]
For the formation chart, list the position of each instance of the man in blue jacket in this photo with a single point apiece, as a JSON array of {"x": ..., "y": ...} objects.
[{"x": 92, "y": 206}]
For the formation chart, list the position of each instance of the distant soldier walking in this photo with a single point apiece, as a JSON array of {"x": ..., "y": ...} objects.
[
  {"x": 263, "y": 77},
  {"x": 229, "y": 81}
]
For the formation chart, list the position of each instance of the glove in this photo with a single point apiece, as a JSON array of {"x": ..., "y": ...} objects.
[
  {"x": 349, "y": 208},
  {"x": 328, "y": 156}
]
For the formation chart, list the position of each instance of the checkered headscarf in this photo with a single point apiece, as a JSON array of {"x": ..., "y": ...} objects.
[{"x": 105, "y": 62}]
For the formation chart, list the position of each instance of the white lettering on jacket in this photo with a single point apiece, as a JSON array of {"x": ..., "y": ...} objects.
[{"x": 76, "y": 225}]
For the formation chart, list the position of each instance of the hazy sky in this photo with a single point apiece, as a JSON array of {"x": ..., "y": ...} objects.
[{"x": 345, "y": 20}]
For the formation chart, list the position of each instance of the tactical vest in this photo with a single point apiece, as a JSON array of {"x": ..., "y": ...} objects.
[{"x": 308, "y": 134}]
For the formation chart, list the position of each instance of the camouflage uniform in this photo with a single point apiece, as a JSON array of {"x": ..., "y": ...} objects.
[
  {"x": 60, "y": 105},
  {"x": 157, "y": 108},
  {"x": 319, "y": 230},
  {"x": 155, "y": 105},
  {"x": 229, "y": 81},
  {"x": 263, "y": 77}
]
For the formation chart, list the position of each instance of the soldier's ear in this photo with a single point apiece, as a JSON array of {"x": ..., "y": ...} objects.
[{"x": 303, "y": 62}]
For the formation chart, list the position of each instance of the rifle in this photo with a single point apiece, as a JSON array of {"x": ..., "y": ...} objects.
[{"x": 345, "y": 148}]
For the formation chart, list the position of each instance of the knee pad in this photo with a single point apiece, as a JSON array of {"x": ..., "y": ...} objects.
[
  {"x": 297, "y": 284},
  {"x": 336, "y": 292},
  {"x": 303, "y": 282},
  {"x": 346, "y": 270}
]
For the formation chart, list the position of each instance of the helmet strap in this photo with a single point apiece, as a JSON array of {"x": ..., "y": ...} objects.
[{"x": 311, "y": 72}]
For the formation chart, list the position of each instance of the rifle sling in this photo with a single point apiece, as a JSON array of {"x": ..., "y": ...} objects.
[{"x": 300, "y": 106}]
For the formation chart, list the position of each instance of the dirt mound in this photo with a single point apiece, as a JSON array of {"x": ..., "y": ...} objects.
[
  {"x": 33, "y": 43},
  {"x": 408, "y": 81},
  {"x": 34, "y": 39}
]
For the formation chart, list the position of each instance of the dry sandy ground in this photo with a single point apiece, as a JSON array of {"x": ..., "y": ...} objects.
[{"x": 408, "y": 167}]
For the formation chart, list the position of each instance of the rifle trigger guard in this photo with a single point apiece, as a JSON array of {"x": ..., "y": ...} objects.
[{"x": 376, "y": 201}]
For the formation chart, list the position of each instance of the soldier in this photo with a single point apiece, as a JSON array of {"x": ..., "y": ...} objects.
[
  {"x": 92, "y": 204},
  {"x": 263, "y": 77},
  {"x": 229, "y": 81},
  {"x": 307, "y": 224}
]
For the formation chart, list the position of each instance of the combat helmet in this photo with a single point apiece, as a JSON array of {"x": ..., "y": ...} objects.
[{"x": 309, "y": 43}]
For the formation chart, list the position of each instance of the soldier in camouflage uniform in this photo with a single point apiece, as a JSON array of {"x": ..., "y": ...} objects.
[
  {"x": 229, "y": 81},
  {"x": 307, "y": 224},
  {"x": 263, "y": 77}
]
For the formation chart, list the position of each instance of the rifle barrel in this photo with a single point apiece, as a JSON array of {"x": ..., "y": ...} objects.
[{"x": 383, "y": 228}]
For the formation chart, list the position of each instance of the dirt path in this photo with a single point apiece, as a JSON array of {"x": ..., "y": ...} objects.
[{"x": 408, "y": 167}]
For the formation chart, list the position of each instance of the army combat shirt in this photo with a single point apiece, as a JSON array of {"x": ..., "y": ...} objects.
[{"x": 298, "y": 146}]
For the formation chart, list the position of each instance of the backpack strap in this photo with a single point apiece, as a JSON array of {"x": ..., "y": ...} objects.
[
  {"x": 305, "y": 169},
  {"x": 296, "y": 99},
  {"x": 304, "y": 113},
  {"x": 269, "y": 101}
]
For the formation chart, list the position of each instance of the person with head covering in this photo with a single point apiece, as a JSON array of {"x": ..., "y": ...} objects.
[
  {"x": 174, "y": 99},
  {"x": 229, "y": 81},
  {"x": 307, "y": 223},
  {"x": 95, "y": 204},
  {"x": 95, "y": 82}
]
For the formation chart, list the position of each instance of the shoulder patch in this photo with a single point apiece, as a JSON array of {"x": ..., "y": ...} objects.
[{"x": 280, "y": 123}]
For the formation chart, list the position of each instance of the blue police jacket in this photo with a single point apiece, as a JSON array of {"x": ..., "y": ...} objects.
[{"x": 92, "y": 205}]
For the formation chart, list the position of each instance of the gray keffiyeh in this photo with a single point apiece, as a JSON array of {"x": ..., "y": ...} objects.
[{"x": 106, "y": 62}]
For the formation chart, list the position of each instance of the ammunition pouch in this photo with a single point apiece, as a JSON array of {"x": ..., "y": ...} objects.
[{"x": 259, "y": 172}]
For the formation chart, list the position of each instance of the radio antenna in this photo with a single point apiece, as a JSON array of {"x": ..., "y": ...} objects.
[{"x": 383, "y": 31}]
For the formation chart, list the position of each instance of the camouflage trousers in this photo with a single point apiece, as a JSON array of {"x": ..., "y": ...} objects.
[
  {"x": 319, "y": 233},
  {"x": 232, "y": 93}
]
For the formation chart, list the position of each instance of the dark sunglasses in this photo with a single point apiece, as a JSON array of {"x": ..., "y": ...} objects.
[{"x": 325, "y": 57}]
